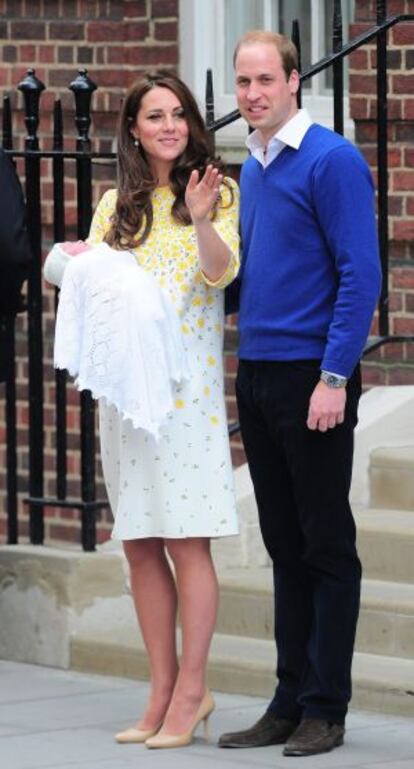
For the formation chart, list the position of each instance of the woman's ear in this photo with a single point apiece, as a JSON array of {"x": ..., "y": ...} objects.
[{"x": 132, "y": 129}]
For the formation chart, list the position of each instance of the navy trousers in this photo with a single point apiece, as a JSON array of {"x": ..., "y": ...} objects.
[{"x": 301, "y": 480}]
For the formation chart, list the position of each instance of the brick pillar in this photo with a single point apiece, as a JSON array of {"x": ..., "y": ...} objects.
[{"x": 393, "y": 364}]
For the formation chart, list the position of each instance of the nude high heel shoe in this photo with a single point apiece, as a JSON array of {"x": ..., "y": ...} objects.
[
  {"x": 161, "y": 740},
  {"x": 135, "y": 735}
]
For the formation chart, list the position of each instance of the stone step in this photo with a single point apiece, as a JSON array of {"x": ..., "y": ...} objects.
[
  {"x": 386, "y": 544},
  {"x": 383, "y": 672},
  {"x": 386, "y": 622},
  {"x": 246, "y": 666},
  {"x": 242, "y": 663},
  {"x": 392, "y": 478}
]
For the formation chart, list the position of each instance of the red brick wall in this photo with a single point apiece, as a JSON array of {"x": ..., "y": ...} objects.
[
  {"x": 114, "y": 40},
  {"x": 393, "y": 364}
]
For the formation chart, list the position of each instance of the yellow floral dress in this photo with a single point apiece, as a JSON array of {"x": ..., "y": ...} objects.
[{"x": 181, "y": 485}]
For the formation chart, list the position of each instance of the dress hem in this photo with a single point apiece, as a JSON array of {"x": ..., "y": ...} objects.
[{"x": 175, "y": 536}]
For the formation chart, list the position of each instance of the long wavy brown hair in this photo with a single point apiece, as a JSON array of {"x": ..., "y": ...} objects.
[{"x": 132, "y": 219}]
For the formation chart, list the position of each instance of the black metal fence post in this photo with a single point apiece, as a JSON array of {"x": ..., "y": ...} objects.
[
  {"x": 209, "y": 99},
  {"x": 338, "y": 69},
  {"x": 382, "y": 154},
  {"x": 210, "y": 104},
  {"x": 59, "y": 236},
  {"x": 83, "y": 88},
  {"x": 296, "y": 41},
  {"x": 7, "y": 138},
  {"x": 32, "y": 88},
  {"x": 9, "y": 336},
  {"x": 11, "y": 432}
]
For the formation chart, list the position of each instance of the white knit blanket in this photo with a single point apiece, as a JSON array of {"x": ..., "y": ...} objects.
[{"x": 119, "y": 335}]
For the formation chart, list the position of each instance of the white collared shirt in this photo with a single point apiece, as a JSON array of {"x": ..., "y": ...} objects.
[{"x": 291, "y": 134}]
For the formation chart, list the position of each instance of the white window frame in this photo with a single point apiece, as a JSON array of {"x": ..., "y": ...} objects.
[{"x": 202, "y": 46}]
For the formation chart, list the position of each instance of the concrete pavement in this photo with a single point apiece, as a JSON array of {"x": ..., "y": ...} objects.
[{"x": 55, "y": 719}]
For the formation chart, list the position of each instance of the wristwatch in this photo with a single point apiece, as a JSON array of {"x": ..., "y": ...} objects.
[{"x": 333, "y": 380}]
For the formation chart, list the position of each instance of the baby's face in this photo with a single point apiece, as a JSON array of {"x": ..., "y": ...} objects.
[{"x": 74, "y": 248}]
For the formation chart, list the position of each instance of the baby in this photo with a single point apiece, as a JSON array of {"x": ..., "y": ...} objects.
[
  {"x": 58, "y": 258},
  {"x": 116, "y": 331}
]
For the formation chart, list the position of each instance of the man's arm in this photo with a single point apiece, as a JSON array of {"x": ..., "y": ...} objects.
[{"x": 344, "y": 204}]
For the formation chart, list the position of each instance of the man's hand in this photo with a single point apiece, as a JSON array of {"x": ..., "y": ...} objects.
[{"x": 326, "y": 407}]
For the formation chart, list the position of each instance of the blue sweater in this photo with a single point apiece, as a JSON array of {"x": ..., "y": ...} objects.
[{"x": 310, "y": 275}]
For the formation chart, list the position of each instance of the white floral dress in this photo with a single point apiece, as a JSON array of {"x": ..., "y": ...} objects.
[{"x": 181, "y": 485}]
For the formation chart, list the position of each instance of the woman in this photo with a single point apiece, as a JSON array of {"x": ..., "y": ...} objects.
[{"x": 178, "y": 215}]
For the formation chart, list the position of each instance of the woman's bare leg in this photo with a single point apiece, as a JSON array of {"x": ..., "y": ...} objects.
[
  {"x": 198, "y": 601},
  {"x": 155, "y": 599}
]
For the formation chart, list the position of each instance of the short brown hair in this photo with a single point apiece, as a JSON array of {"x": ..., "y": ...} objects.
[{"x": 284, "y": 45}]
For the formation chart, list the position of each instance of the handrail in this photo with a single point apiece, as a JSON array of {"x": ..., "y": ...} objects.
[{"x": 352, "y": 45}]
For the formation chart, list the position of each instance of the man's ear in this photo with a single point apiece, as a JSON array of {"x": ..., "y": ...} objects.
[{"x": 294, "y": 81}]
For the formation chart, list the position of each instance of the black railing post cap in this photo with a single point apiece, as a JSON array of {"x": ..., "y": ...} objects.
[
  {"x": 82, "y": 82},
  {"x": 30, "y": 82}
]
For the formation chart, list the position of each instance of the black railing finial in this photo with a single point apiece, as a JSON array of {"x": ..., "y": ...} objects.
[
  {"x": 31, "y": 88},
  {"x": 83, "y": 88},
  {"x": 7, "y": 135}
]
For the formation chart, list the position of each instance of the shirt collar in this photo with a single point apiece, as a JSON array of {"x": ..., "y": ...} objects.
[{"x": 290, "y": 134}]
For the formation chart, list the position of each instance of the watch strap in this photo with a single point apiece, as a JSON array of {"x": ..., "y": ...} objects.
[{"x": 333, "y": 380}]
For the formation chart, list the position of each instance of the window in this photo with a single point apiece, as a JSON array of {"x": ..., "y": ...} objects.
[{"x": 209, "y": 31}]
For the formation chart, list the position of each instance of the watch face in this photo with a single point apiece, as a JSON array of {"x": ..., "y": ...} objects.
[{"x": 333, "y": 381}]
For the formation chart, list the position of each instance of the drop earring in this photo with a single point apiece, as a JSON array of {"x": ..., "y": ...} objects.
[{"x": 136, "y": 142}]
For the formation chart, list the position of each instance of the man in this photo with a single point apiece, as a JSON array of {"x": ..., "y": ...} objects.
[
  {"x": 15, "y": 256},
  {"x": 309, "y": 284}
]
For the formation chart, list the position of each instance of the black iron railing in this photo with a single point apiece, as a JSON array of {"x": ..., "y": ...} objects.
[{"x": 82, "y": 88}]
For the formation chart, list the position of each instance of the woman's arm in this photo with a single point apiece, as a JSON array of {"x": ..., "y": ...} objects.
[
  {"x": 101, "y": 218},
  {"x": 215, "y": 254}
]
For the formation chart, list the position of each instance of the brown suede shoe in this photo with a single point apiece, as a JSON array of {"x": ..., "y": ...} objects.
[
  {"x": 314, "y": 736},
  {"x": 269, "y": 730}
]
